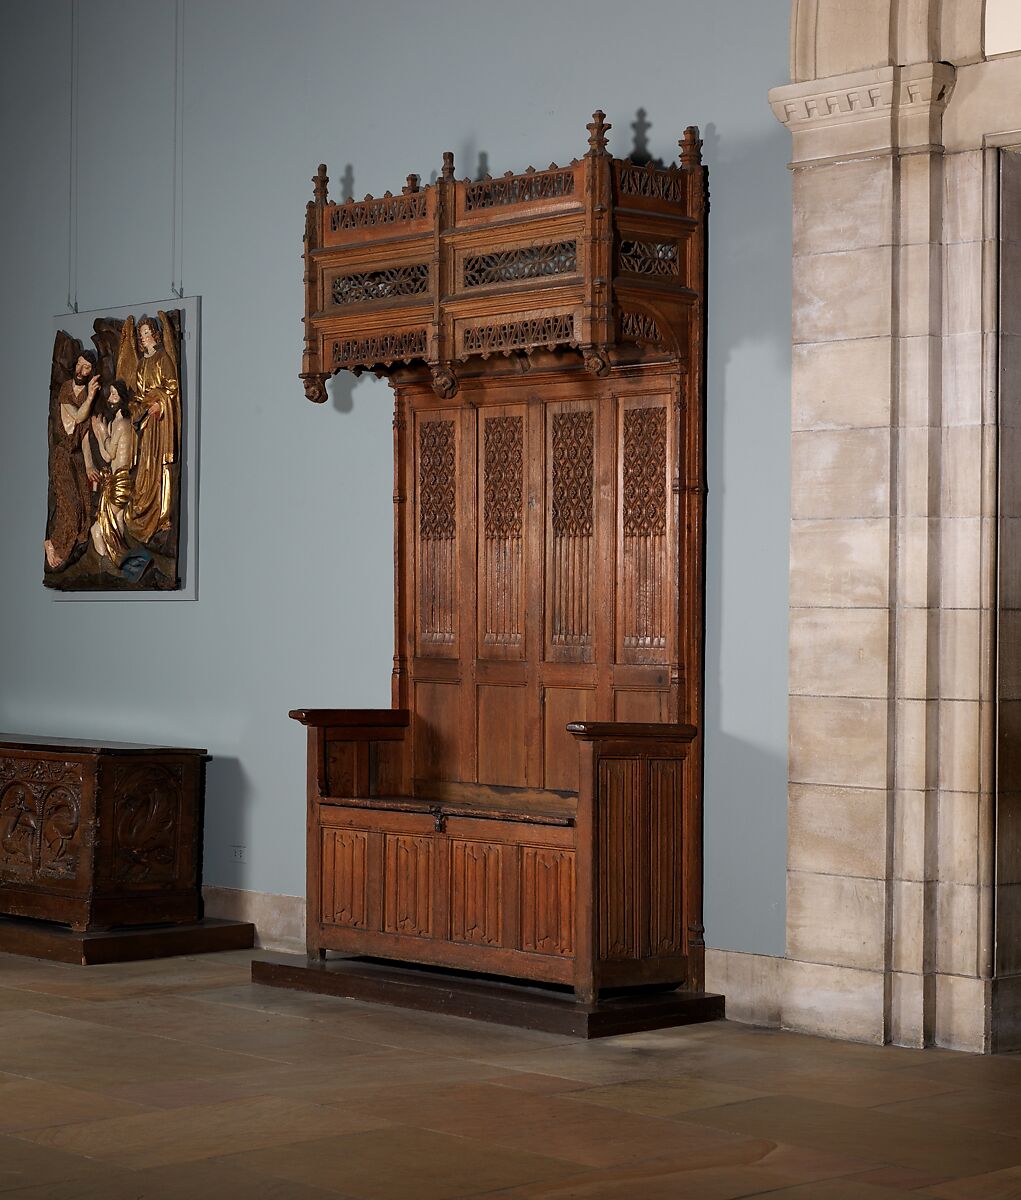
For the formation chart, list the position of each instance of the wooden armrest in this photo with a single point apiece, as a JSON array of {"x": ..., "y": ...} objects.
[
  {"x": 632, "y": 730},
  {"x": 352, "y": 717}
]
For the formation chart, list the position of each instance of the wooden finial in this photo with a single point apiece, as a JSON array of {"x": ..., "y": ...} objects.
[
  {"x": 319, "y": 181},
  {"x": 691, "y": 147},
  {"x": 597, "y": 128},
  {"x": 448, "y": 166}
]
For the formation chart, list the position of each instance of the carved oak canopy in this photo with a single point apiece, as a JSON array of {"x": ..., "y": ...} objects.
[{"x": 598, "y": 258}]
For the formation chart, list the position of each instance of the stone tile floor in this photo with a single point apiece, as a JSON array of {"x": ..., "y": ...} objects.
[{"x": 179, "y": 1078}]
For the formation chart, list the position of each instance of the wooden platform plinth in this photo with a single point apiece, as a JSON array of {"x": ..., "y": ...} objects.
[
  {"x": 506, "y": 1002},
  {"x": 41, "y": 939}
]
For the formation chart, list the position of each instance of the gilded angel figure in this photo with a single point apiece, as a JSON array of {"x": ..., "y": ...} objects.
[{"x": 156, "y": 414}]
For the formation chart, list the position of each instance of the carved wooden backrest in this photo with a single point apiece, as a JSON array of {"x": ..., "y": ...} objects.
[{"x": 544, "y": 336}]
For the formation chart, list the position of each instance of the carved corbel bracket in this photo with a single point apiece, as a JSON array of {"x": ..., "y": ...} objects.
[
  {"x": 315, "y": 386},
  {"x": 596, "y": 362},
  {"x": 444, "y": 382}
]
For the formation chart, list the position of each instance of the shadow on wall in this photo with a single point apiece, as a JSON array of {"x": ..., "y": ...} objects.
[
  {"x": 747, "y": 563},
  {"x": 227, "y": 827}
]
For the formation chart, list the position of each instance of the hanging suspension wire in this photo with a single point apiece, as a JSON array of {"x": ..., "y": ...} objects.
[
  {"x": 72, "y": 171},
  {"x": 177, "y": 202}
]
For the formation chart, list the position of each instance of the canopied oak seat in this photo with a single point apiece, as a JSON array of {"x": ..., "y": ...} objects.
[{"x": 530, "y": 805}]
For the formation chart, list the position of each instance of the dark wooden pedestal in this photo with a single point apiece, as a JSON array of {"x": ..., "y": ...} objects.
[
  {"x": 42, "y": 939},
  {"x": 506, "y": 1002}
]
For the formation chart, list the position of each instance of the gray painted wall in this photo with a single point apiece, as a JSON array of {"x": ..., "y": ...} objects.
[{"x": 294, "y": 512}]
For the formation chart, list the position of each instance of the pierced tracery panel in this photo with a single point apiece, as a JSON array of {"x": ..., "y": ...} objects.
[
  {"x": 658, "y": 259},
  {"x": 367, "y": 286},
  {"x": 651, "y": 183},
  {"x": 367, "y": 214},
  {"x": 517, "y": 335},
  {"x": 388, "y": 348},
  {"x": 571, "y": 485},
  {"x": 503, "y": 520},
  {"x": 645, "y": 565},
  {"x": 537, "y": 185},
  {"x": 524, "y": 262},
  {"x": 641, "y": 328},
  {"x": 437, "y": 530}
]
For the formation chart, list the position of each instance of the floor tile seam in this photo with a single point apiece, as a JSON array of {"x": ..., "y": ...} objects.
[
  {"x": 103, "y": 1122},
  {"x": 922, "y": 1133}
]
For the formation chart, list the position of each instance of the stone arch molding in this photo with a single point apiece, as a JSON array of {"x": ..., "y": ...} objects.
[{"x": 832, "y": 37}]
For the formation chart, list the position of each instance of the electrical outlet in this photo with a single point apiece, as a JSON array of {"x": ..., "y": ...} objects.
[{"x": 240, "y": 853}]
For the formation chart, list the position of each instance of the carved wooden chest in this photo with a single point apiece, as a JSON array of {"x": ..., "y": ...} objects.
[{"x": 100, "y": 834}]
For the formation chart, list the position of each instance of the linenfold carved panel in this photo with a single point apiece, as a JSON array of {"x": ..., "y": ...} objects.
[
  {"x": 666, "y": 842},
  {"x": 640, "y": 854},
  {"x": 517, "y": 335},
  {"x": 408, "y": 885},
  {"x": 503, "y": 510},
  {"x": 547, "y": 900},
  {"x": 571, "y": 521},
  {"x": 367, "y": 286},
  {"x": 620, "y": 858},
  {"x": 537, "y": 185},
  {"x": 476, "y": 892},
  {"x": 437, "y": 527},
  {"x": 523, "y": 262},
  {"x": 345, "y": 878},
  {"x": 368, "y": 214},
  {"x": 643, "y": 594}
]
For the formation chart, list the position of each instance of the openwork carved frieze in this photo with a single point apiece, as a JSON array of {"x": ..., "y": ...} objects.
[
  {"x": 649, "y": 258},
  {"x": 146, "y": 823},
  {"x": 536, "y": 185},
  {"x": 641, "y": 328},
  {"x": 524, "y": 262},
  {"x": 368, "y": 286},
  {"x": 40, "y": 812},
  {"x": 368, "y": 214},
  {"x": 518, "y": 334},
  {"x": 388, "y": 348},
  {"x": 651, "y": 183}
]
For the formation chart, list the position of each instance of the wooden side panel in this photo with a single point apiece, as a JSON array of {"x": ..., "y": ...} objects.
[
  {"x": 563, "y": 705},
  {"x": 436, "y": 533},
  {"x": 345, "y": 876},
  {"x": 502, "y": 748},
  {"x": 623, "y": 860},
  {"x": 645, "y": 596},
  {"x": 437, "y": 736},
  {"x": 570, "y": 594},
  {"x": 476, "y": 892},
  {"x": 501, "y": 556},
  {"x": 408, "y": 885},
  {"x": 547, "y": 891},
  {"x": 666, "y": 857},
  {"x": 633, "y": 705}
]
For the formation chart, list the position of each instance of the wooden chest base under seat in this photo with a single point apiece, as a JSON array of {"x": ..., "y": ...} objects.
[{"x": 99, "y": 835}]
